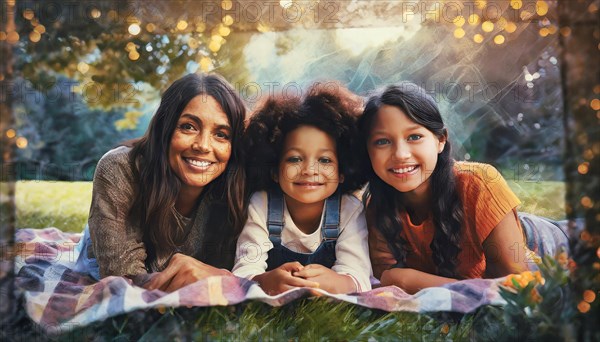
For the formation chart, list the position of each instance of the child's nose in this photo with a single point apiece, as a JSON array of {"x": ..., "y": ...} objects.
[
  {"x": 309, "y": 168},
  {"x": 402, "y": 151}
]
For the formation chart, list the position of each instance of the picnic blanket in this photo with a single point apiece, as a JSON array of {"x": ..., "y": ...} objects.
[{"x": 60, "y": 299}]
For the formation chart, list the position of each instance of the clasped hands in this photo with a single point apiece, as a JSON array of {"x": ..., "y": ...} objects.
[{"x": 294, "y": 274}]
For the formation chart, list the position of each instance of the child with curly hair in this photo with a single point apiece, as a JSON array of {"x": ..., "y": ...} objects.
[{"x": 305, "y": 228}]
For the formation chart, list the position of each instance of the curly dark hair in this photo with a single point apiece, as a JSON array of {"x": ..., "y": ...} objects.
[
  {"x": 331, "y": 108},
  {"x": 386, "y": 201}
]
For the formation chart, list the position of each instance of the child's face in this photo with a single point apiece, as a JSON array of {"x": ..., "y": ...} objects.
[
  {"x": 403, "y": 153},
  {"x": 308, "y": 170}
]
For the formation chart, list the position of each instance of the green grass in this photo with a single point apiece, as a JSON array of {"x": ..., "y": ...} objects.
[{"x": 66, "y": 205}]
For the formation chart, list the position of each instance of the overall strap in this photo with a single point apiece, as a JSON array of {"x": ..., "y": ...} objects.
[
  {"x": 275, "y": 214},
  {"x": 331, "y": 225}
]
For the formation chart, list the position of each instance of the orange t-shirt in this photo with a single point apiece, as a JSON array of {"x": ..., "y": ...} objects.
[{"x": 486, "y": 199}]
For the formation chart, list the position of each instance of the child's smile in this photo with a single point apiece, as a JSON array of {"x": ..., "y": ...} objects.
[{"x": 308, "y": 170}]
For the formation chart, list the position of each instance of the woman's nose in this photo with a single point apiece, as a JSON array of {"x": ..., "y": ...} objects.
[{"x": 201, "y": 143}]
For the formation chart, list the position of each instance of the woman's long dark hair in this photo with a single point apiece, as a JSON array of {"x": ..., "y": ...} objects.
[
  {"x": 387, "y": 202},
  {"x": 158, "y": 185}
]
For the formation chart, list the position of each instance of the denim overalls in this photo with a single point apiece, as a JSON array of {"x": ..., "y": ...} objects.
[{"x": 323, "y": 255}]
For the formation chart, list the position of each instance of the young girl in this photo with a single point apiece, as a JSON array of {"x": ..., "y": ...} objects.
[
  {"x": 304, "y": 227},
  {"x": 432, "y": 221}
]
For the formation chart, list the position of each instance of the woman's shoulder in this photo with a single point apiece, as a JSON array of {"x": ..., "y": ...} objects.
[
  {"x": 115, "y": 162},
  {"x": 118, "y": 154}
]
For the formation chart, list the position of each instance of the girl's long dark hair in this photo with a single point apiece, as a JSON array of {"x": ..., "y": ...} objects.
[
  {"x": 158, "y": 185},
  {"x": 387, "y": 202}
]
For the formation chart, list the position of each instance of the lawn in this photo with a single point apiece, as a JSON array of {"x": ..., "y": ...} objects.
[{"x": 65, "y": 205}]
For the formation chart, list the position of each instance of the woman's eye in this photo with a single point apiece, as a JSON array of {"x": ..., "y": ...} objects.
[
  {"x": 380, "y": 142},
  {"x": 414, "y": 137},
  {"x": 293, "y": 159},
  {"x": 186, "y": 126},
  {"x": 325, "y": 160}
]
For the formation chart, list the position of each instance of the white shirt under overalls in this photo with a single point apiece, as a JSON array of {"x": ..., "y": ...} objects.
[{"x": 351, "y": 249}]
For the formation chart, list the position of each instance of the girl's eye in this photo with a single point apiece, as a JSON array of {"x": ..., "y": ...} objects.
[
  {"x": 381, "y": 142},
  {"x": 293, "y": 159},
  {"x": 325, "y": 160},
  {"x": 222, "y": 135},
  {"x": 414, "y": 137}
]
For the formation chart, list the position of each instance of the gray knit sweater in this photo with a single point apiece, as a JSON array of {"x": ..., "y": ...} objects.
[{"x": 117, "y": 239}]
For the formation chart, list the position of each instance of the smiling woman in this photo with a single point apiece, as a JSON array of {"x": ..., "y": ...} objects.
[{"x": 158, "y": 204}]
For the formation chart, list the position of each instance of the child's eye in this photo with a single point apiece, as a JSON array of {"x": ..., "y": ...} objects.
[
  {"x": 381, "y": 142},
  {"x": 222, "y": 135},
  {"x": 414, "y": 137},
  {"x": 293, "y": 159},
  {"x": 325, "y": 160}
]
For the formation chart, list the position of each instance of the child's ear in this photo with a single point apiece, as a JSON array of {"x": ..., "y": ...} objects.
[{"x": 442, "y": 141}]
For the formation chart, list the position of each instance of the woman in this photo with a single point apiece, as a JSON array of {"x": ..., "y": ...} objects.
[{"x": 172, "y": 203}]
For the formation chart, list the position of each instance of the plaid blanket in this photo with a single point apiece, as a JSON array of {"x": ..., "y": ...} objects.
[{"x": 60, "y": 299}]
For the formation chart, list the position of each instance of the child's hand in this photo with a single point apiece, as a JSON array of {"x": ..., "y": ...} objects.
[
  {"x": 281, "y": 279},
  {"x": 327, "y": 279}
]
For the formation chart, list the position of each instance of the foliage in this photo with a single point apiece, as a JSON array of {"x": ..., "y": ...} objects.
[{"x": 65, "y": 138}]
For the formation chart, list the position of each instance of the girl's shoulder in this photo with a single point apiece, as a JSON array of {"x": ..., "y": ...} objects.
[{"x": 476, "y": 173}]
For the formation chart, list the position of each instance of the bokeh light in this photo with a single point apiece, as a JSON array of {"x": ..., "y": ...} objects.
[
  {"x": 487, "y": 26},
  {"x": 21, "y": 142},
  {"x": 134, "y": 29}
]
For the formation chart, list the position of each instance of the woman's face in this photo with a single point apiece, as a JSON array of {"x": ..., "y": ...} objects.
[
  {"x": 201, "y": 144},
  {"x": 403, "y": 153},
  {"x": 308, "y": 170}
]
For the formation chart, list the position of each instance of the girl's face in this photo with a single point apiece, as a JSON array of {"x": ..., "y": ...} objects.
[
  {"x": 403, "y": 153},
  {"x": 201, "y": 144},
  {"x": 308, "y": 168}
]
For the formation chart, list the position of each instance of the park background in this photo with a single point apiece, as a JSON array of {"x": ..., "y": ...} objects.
[{"x": 518, "y": 84}]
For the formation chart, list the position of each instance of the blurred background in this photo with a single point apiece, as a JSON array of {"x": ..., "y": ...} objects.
[{"x": 79, "y": 77}]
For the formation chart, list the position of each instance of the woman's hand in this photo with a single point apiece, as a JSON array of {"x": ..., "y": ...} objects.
[
  {"x": 327, "y": 279},
  {"x": 181, "y": 271},
  {"x": 281, "y": 279}
]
